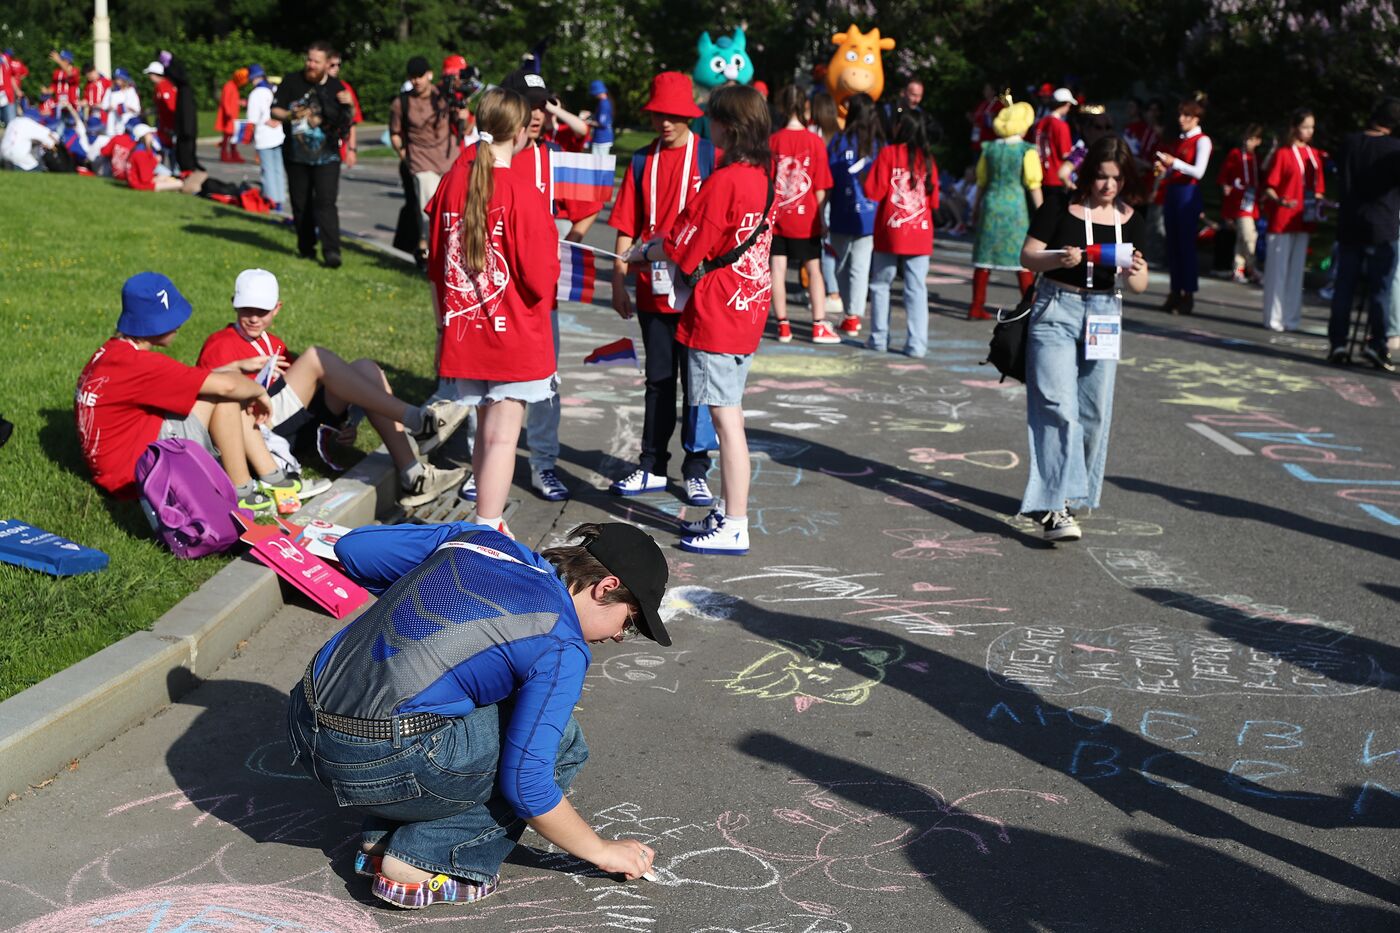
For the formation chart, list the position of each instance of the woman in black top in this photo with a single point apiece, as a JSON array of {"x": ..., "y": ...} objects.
[{"x": 1075, "y": 324}]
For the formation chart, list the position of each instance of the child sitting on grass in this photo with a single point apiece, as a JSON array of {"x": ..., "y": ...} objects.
[{"x": 317, "y": 387}]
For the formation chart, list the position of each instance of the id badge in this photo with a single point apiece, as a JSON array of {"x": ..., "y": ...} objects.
[
  {"x": 1103, "y": 337},
  {"x": 1247, "y": 201},
  {"x": 661, "y": 278},
  {"x": 1311, "y": 213}
]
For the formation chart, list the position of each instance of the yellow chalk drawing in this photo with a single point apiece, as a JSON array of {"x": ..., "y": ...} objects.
[
  {"x": 806, "y": 364},
  {"x": 1234, "y": 403},
  {"x": 1234, "y": 378},
  {"x": 816, "y": 671}
]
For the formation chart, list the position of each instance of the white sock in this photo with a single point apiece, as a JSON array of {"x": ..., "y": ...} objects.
[
  {"x": 409, "y": 475},
  {"x": 738, "y": 521},
  {"x": 480, "y": 519}
]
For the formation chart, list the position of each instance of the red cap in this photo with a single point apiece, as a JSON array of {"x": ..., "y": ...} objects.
[
  {"x": 673, "y": 93},
  {"x": 1047, "y": 89},
  {"x": 453, "y": 64},
  {"x": 762, "y": 88}
]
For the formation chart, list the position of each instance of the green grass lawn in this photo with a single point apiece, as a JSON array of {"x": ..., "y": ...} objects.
[{"x": 68, "y": 244}]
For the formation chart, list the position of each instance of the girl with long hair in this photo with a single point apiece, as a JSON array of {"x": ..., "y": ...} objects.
[
  {"x": 494, "y": 264},
  {"x": 1293, "y": 197},
  {"x": 720, "y": 245},
  {"x": 904, "y": 180},
  {"x": 852, "y": 223},
  {"x": 802, "y": 178},
  {"x": 1069, "y": 389}
]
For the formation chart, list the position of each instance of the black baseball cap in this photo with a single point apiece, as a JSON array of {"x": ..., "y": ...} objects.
[
  {"x": 418, "y": 66},
  {"x": 633, "y": 557},
  {"x": 530, "y": 86}
]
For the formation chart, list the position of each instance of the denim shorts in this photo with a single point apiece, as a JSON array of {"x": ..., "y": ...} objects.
[
  {"x": 716, "y": 378},
  {"x": 482, "y": 392}
]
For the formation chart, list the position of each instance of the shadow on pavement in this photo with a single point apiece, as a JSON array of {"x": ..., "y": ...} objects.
[
  {"x": 1225, "y": 506},
  {"x": 871, "y": 831},
  {"x": 1122, "y": 766}
]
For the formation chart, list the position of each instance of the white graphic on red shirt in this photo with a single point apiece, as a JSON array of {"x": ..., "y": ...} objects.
[
  {"x": 907, "y": 199},
  {"x": 755, "y": 278},
  {"x": 470, "y": 299},
  {"x": 791, "y": 182},
  {"x": 85, "y": 399}
]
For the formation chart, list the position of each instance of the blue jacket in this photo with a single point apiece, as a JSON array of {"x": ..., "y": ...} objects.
[
  {"x": 852, "y": 213},
  {"x": 466, "y": 618}
]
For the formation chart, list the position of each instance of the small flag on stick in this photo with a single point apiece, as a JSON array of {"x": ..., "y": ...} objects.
[
  {"x": 619, "y": 351},
  {"x": 243, "y": 132},
  {"x": 1110, "y": 254},
  {"x": 578, "y": 270},
  {"x": 583, "y": 176}
]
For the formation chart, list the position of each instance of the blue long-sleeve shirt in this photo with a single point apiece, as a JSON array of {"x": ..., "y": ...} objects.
[{"x": 466, "y": 618}]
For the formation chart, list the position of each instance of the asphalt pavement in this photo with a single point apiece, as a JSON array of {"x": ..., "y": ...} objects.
[{"x": 902, "y": 710}]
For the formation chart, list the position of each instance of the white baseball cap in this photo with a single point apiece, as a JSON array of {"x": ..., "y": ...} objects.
[
  {"x": 141, "y": 130},
  {"x": 155, "y": 68},
  {"x": 1064, "y": 95},
  {"x": 255, "y": 288}
]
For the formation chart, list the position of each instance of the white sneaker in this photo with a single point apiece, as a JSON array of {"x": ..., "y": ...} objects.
[
  {"x": 637, "y": 482},
  {"x": 548, "y": 484},
  {"x": 430, "y": 484},
  {"x": 712, "y": 520},
  {"x": 697, "y": 491},
  {"x": 440, "y": 419},
  {"x": 312, "y": 486},
  {"x": 728, "y": 538},
  {"x": 468, "y": 490}
]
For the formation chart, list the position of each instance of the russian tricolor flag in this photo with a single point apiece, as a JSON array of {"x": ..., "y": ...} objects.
[
  {"x": 582, "y": 176},
  {"x": 577, "y": 272},
  {"x": 242, "y": 133},
  {"x": 619, "y": 351},
  {"x": 1110, "y": 254}
]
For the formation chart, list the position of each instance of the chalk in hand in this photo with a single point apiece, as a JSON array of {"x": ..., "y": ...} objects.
[{"x": 650, "y": 876}]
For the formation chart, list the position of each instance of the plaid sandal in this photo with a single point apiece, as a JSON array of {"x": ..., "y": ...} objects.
[{"x": 439, "y": 889}]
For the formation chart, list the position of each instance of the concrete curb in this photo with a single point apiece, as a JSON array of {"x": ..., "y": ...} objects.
[{"x": 80, "y": 709}]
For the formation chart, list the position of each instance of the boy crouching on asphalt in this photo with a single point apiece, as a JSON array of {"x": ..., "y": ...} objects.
[{"x": 317, "y": 387}]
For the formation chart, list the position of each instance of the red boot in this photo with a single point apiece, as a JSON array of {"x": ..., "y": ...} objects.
[
  {"x": 1025, "y": 278},
  {"x": 978, "y": 309},
  {"x": 235, "y": 155},
  {"x": 224, "y": 149}
]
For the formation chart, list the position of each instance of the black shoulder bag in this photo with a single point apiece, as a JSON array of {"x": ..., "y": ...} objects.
[
  {"x": 733, "y": 256},
  {"x": 1007, "y": 350}
]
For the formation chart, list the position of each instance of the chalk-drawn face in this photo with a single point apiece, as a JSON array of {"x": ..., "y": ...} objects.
[{"x": 815, "y": 672}]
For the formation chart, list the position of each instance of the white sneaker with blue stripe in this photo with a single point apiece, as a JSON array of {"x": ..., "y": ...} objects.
[
  {"x": 728, "y": 537},
  {"x": 638, "y": 482},
  {"x": 697, "y": 491}
]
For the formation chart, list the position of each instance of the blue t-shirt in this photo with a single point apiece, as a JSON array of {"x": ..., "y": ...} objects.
[
  {"x": 603, "y": 116},
  {"x": 852, "y": 213},
  {"x": 466, "y": 618}
]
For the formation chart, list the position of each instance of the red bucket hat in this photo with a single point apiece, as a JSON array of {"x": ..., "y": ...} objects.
[{"x": 672, "y": 93}]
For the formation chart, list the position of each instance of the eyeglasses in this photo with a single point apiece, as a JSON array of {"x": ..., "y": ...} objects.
[{"x": 629, "y": 628}]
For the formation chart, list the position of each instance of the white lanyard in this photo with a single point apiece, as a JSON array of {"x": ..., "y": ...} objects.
[
  {"x": 685, "y": 179},
  {"x": 1303, "y": 171},
  {"x": 1089, "y": 240},
  {"x": 539, "y": 178},
  {"x": 263, "y": 343},
  {"x": 1245, "y": 160},
  {"x": 489, "y": 552}
]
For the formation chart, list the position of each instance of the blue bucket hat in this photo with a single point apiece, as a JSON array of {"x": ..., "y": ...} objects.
[
  {"x": 121, "y": 73},
  {"x": 597, "y": 87},
  {"x": 151, "y": 306},
  {"x": 256, "y": 71}
]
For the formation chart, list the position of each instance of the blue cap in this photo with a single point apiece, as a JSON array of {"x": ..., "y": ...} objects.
[
  {"x": 66, "y": 55},
  {"x": 256, "y": 71},
  {"x": 596, "y": 87},
  {"x": 151, "y": 306},
  {"x": 96, "y": 122},
  {"x": 121, "y": 73}
]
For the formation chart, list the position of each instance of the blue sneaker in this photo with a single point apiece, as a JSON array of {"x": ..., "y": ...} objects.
[
  {"x": 638, "y": 482},
  {"x": 726, "y": 538},
  {"x": 548, "y": 484},
  {"x": 697, "y": 491}
]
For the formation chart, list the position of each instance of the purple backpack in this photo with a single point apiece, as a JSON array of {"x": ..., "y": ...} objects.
[{"x": 189, "y": 497}]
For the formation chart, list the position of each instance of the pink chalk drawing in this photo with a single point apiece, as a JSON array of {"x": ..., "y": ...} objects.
[
  {"x": 927, "y": 544},
  {"x": 834, "y": 841},
  {"x": 991, "y": 459},
  {"x": 815, "y": 672}
]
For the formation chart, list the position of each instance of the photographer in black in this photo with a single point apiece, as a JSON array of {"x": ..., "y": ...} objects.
[
  {"x": 317, "y": 110},
  {"x": 423, "y": 130},
  {"x": 460, "y": 83}
]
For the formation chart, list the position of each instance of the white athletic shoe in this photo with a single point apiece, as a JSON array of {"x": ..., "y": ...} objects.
[
  {"x": 727, "y": 538},
  {"x": 430, "y": 484},
  {"x": 697, "y": 491},
  {"x": 637, "y": 482},
  {"x": 703, "y": 526},
  {"x": 440, "y": 419}
]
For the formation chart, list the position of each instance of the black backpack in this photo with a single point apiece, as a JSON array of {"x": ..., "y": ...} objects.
[{"x": 1007, "y": 349}]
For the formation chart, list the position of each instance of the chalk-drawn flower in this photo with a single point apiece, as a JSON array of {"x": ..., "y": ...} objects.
[{"x": 927, "y": 544}]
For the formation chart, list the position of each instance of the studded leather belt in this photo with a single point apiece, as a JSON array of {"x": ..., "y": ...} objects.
[{"x": 382, "y": 729}]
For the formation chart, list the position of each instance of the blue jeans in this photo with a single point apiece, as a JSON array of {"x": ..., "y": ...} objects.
[
  {"x": 7, "y": 113},
  {"x": 1069, "y": 401},
  {"x": 915, "y": 270},
  {"x": 274, "y": 175},
  {"x": 827, "y": 259},
  {"x": 1371, "y": 268},
  {"x": 853, "y": 270},
  {"x": 433, "y": 796},
  {"x": 1182, "y": 214},
  {"x": 542, "y": 418},
  {"x": 1392, "y": 311}
]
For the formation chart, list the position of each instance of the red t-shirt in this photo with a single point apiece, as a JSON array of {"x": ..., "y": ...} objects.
[
  {"x": 141, "y": 171},
  {"x": 93, "y": 91},
  {"x": 495, "y": 325},
  {"x": 118, "y": 150},
  {"x": 1239, "y": 177},
  {"x": 726, "y": 311},
  {"x": 123, "y": 396},
  {"x": 18, "y": 71},
  {"x": 800, "y": 170},
  {"x": 230, "y": 103},
  {"x": 65, "y": 85},
  {"x": 166, "y": 94},
  {"x": 1053, "y": 140},
  {"x": 1293, "y": 171},
  {"x": 229, "y": 345},
  {"x": 632, "y": 211},
  {"x": 904, "y": 219}
]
